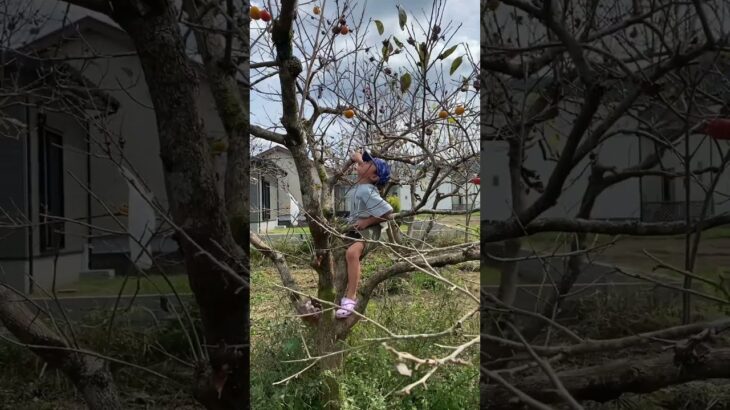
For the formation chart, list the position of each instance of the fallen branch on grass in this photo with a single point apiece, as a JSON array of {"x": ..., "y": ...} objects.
[
  {"x": 88, "y": 373},
  {"x": 609, "y": 381}
]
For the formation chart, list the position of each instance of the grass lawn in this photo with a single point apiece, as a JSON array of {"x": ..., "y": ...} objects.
[
  {"x": 489, "y": 276},
  {"x": 416, "y": 304},
  {"x": 453, "y": 220},
  {"x": 287, "y": 230},
  {"x": 153, "y": 284},
  {"x": 628, "y": 251}
]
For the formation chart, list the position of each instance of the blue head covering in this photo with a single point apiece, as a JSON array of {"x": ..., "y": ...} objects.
[{"x": 382, "y": 169}]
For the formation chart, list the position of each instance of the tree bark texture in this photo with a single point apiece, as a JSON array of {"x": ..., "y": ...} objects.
[
  {"x": 609, "y": 381},
  {"x": 195, "y": 203}
]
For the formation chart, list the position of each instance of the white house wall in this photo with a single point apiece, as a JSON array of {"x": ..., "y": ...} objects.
[
  {"x": 444, "y": 188},
  {"x": 703, "y": 153},
  {"x": 70, "y": 258},
  {"x": 404, "y": 196},
  {"x": 256, "y": 201},
  {"x": 14, "y": 273},
  {"x": 495, "y": 185},
  {"x": 135, "y": 121},
  {"x": 288, "y": 184},
  {"x": 67, "y": 269},
  {"x": 619, "y": 202}
]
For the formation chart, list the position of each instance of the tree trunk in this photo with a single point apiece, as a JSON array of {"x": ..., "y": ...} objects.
[
  {"x": 195, "y": 204},
  {"x": 576, "y": 262},
  {"x": 232, "y": 105},
  {"x": 90, "y": 375},
  {"x": 609, "y": 381},
  {"x": 330, "y": 368},
  {"x": 507, "y": 293},
  {"x": 509, "y": 278}
]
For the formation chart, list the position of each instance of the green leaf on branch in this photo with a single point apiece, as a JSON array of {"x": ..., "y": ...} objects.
[
  {"x": 379, "y": 25},
  {"x": 402, "y": 18},
  {"x": 405, "y": 82},
  {"x": 423, "y": 54},
  {"x": 447, "y": 53},
  {"x": 455, "y": 65},
  {"x": 397, "y": 42}
]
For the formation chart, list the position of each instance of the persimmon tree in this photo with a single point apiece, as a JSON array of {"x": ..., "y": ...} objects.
[
  {"x": 368, "y": 86},
  {"x": 573, "y": 89}
]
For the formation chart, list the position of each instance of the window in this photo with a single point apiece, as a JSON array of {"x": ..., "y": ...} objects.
[
  {"x": 495, "y": 180},
  {"x": 668, "y": 188},
  {"x": 265, "y": 200},
  {"x": 51, "y": 196}
]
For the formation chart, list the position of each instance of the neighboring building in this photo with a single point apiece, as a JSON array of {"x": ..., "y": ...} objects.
[
  {"x": 265, "y": 194},
  {"x": 43, "y": 169},
  {"x": 289, "y": 184},
  {"x": 466, "y": 196},
  {"x": 646, "y": 198},
  {"x": 105, "y": 59},
  {"x": 649, "y": 198}
]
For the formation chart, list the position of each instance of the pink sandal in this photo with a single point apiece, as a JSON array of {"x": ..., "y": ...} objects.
[{"x": 347, "y": 306}]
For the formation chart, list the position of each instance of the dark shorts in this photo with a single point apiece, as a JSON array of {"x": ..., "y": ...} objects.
[
  {"x": 371, "y": 233},
  {"x": 353, "y": 234}
]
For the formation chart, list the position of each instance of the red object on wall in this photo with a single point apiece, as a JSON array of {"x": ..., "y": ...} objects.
[
  {"x": 718, "y": 129},
  {"x": 475, "y": 180}
]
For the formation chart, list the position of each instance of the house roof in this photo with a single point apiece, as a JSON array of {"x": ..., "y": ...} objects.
[
  {"x": 284, "y": 150},
  {"x": 266, "y": 166},
  {"x": 57, "y": 80},
  {"x": 70, "y": 32},
  {"x": 275, "y": 148}
]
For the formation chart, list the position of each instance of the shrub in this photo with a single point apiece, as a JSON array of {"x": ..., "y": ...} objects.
[{"x": 394, "y": 201}]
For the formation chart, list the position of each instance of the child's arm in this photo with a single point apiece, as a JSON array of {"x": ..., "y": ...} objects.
[
  {"x": 367, "y": 222},
  {"x": 378, "y": 208}
]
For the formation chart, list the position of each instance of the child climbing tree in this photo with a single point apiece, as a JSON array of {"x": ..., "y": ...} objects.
[{"x": 408, "y": 94}]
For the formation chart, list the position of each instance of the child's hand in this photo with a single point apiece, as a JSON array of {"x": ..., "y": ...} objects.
[
  {"x": 360, "y": 225},
  {"x": 356, "y": 157}
]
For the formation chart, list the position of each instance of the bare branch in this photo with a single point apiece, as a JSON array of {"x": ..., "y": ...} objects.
[
  {"x": 265, "y": 134},
  {"x": 493, "y": 231}
]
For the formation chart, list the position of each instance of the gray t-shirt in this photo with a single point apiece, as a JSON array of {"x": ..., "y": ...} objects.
[{"x": 365, "y": 201}]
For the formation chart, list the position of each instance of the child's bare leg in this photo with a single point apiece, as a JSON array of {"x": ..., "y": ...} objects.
[{"x": 353, "y": 268}]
